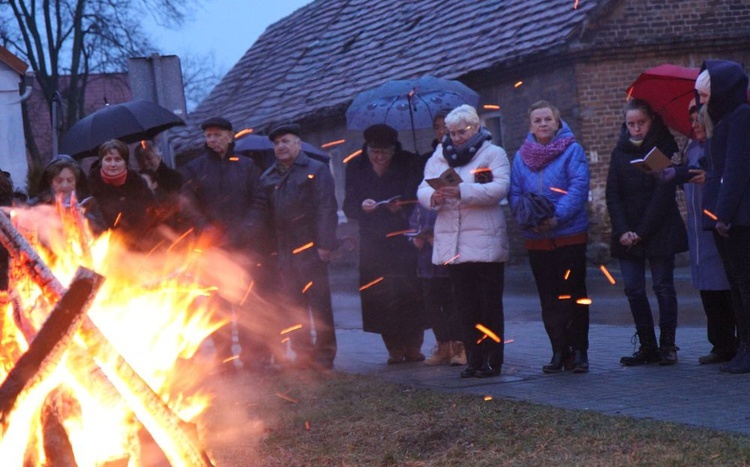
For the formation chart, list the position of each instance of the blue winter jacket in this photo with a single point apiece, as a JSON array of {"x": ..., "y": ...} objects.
[{"x": 564, "y": 181}]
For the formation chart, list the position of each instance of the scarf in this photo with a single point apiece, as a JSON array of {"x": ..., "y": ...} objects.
[
  {"x": 117, "y": 180},
  {"x": 537, "y": 156},
  {"x": 456, "y": 156}
]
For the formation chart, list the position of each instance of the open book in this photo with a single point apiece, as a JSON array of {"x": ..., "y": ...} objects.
[
  {"x": 386, "y": 201},
  {"x": 654, "y": 161},
  {"x": 448, "y": 178}
]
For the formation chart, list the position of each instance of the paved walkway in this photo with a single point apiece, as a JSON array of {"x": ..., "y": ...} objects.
[{"x": 687, "y": 393}]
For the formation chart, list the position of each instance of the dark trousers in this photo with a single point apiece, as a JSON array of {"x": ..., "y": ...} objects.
[
  {"x": 662, "y": 279},
  {"x": 314, "y": 303},
  {"x": 403, "y": 342},
  {"x": 478, "y": 288},
  {"x": 735, "y": 254},
  {"x": 440, "y": 306},
  {"x": 720, "y": 321},
  {"x": 560, "y": 277}
]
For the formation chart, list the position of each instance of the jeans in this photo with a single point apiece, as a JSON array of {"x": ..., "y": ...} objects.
[{"x": 662, "y": 280}]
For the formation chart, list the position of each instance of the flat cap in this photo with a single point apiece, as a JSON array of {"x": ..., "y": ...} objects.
[
  {"x": 381, "y": 136},
  {"x": 216, "y": 122},
  {"x": 284, "y": 129}
]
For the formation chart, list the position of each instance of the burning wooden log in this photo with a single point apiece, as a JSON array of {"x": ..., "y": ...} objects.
[
  {"x": 53, "y": 339},
  {"x": 171, "y": 433}
]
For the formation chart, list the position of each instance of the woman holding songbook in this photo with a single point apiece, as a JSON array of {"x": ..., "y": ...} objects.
[
  {"x": 646, "y": 229},
  {"x": 550, "y": 163}
]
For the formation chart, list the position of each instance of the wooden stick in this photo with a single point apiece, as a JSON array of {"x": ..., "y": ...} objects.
[{"x": 180, "y": 447}]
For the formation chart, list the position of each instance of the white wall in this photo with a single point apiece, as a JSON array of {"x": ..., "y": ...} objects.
[{"x": 12, "y": 142}]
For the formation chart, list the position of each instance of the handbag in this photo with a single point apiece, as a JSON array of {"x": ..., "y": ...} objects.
[{"x": 532, "y": 210}]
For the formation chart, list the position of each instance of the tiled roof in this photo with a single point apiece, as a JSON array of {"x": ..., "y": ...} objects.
[{"x": 323, "y": 54}]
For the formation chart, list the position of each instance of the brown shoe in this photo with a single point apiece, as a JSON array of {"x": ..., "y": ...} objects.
[
  {"x": 413, "y": 355},
  {"x": 459, "y": 353},
  {"x": 441, "y": 355}
]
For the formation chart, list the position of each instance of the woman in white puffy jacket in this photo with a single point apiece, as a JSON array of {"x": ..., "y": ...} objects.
[{"x": 470, "y": 232}]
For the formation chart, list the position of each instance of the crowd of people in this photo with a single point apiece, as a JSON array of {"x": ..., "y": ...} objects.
[{"x": 433, "y": 235}]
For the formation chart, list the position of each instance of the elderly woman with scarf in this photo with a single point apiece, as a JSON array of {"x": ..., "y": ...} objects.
[
  {"x": 465, "y": 180},
  {"x": 646, "y": 226},
  {"x": 552, "y": 164}
]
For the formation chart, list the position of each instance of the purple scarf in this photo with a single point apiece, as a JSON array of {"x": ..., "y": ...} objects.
[{"x": 537, "y": 156}]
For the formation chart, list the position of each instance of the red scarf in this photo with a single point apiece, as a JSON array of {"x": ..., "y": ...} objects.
[{"x": 117, "y": 180}]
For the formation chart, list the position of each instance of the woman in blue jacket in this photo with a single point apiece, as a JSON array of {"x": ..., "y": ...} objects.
[{"x": 552, "y": 164}]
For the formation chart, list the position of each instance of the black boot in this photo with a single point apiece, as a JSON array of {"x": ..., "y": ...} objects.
[
  {"x": 556, "y": 364},
  {"x": 741, "y": 361},
  {"x": 648, "y": 351},
  {"x": 667, "y": 348},
  {"x": 580, "y": 361}
]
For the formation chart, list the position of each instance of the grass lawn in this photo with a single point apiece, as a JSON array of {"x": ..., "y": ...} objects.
[{"x": 304, "y": 418}]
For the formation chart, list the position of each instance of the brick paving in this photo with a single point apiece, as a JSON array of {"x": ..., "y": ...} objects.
[{"x": 687, "y": 393}]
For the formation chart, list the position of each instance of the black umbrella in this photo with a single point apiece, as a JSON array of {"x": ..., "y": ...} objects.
[
  {"x": 408, "y": 103},
  {"x": 249, "y": 142},
  {"x": 130, "y": 122}
]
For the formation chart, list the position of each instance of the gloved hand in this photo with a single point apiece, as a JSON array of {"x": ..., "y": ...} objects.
[{"x": 723, "y": 229}]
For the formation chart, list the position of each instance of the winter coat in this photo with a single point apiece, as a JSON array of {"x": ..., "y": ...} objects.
[
  {"x": 569, "y": 172},
  {"x": 706, "y": 268},
  {"x": 472, "y": 228},
  {"x": 125, "y": 208},
  {"x": 726, "y": 192},
  {"x": 637, "y": 202},
  {"x": 298, "y": 206},
  {"x": 220, "y": 192},
  {"x": 392, "y": 306}
]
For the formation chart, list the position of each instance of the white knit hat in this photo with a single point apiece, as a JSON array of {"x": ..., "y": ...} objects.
[{"x": 703, "y": 83}]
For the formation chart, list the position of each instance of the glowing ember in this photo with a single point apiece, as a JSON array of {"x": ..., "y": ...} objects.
[
  {"x": 303, "y": 248},
  {"x": 242, "y": 133},
  {"x": 710, "y": 215},
  {"x": 234, "y": 159},
  {"x": 518, "y": 83},
  {"x": 584, "y": 301},
  {"x": 332, "y": 143},
  {"x": 488, "y": 332},
  {"x": 143, "y": 143},
  {"x": 287, "y": 398},
  {"x": 567, "y": 274},
  {"x": 564, "y": 297},
  {"x": 575, "y": 5},
  {"x": 370, "y": 284},
  {"x": 480, "y": 170},
  {"x": 491, "y": 107},
  {"x": 307, "y": 287},
  {"x": 351, "y": 156},
  {"x": 452, "y": 259},
  {"x": 558, "y": 190},
  {"x": 290, "y": 329},
  {"x": 311, "y": 176},
  {"x": 399, "y": 232},
  {"x": 488, "y": 398},
  {"x": 607, "y": 274}
]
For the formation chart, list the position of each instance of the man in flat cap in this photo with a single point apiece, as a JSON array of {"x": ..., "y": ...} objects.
[
  {"x": 219, "y": 187},
  {"x": 296, "y": 202}
]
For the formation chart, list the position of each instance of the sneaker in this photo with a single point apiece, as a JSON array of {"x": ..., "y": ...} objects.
[
  {"x": 458, "y": 357},
  {"x": 441, "y": 354}
]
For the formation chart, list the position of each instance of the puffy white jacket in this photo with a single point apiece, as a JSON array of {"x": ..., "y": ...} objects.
[{"x": 473, "y": 228}]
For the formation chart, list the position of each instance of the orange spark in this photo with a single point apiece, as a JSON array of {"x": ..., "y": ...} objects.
[
  {"x": 290, "y": 329},
  {"x": 370, "y": 284},
  {"x": 558, "y": 190},
  {"x": 564, "y": 297},
  {"x": 509, "y": 341},
  {"x": 575, "y": 5},
  {"x": 307, "y": 287},
  {"x": 286, "y": 398},
  {"x": 489, "y": 333},
  {"x": 307, "y": 425},
  {"x": 143, "y": 143},
  {"x": 117, "y": 219},
  {"x": 491, "y": 107},
  {"x": 285, "y": 340},
  {"x": 567, "y": 274},
  {"x": 451, "y": 260},
  {"x": 607, "y": 275},
  {"x": 479, "y": 341},
  {"x": 518, "y": 84},
  {"x": 351, "y": 156},
  {"x": 227, "y": 360},
  {"x": 630, "y": 93},
  {"x": 242, "y": 133},
  {"x": 480, "y": 170},
  {"x": 303, "y": 248},
  {"x": 711, "y": 215},
  {"x": 584, "y": 301},
  {"x": 247, "y": 294},
  {"x": 332, "y": 143},
  {"x": 234, "y": 159},
  {"x": 180, "y": 238},
  {"x": 399, "y": 232},
  {"x": 488, "y": 398}
]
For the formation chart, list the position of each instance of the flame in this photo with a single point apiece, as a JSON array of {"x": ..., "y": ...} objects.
[
  {"x": 332, "y": 143},
  {"x": 155, "y": 309},
  {"x": 607, "y": 274}
]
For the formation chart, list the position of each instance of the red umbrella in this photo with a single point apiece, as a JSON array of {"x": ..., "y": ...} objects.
[{"x": 669, "y": 90}]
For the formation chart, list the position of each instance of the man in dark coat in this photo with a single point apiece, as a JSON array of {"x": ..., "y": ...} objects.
[
  {"x": 722, "y": 87},
  {"x": 219, "y": 187},
  {"x": 296, "y": 202}
]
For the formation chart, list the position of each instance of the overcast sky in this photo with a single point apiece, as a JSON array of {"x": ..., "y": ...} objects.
[{"x": 224, "y": 29}]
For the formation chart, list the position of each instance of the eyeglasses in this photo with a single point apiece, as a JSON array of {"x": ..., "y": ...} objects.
[{"x": 462, "y": 132}]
